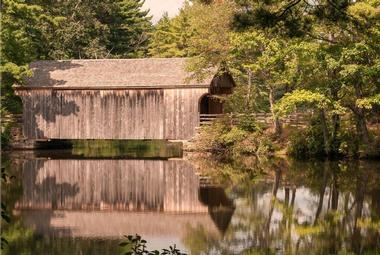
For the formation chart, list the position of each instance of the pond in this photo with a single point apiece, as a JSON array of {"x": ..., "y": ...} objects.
[{"x": 71, "y": 205}]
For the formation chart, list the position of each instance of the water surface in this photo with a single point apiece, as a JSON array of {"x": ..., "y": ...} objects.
[{"x": 85, "y": 206}]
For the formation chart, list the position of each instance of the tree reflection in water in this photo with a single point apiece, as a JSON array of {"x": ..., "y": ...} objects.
[
  {"x": 205, "y": 207},
  {"x": 297, "y": 208}
]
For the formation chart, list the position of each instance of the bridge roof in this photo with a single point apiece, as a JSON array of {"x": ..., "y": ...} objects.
[{"x": 109, "y": 73}]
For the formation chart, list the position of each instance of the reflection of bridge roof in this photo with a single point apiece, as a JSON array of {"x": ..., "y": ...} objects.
[{"x": 115, "y": 224}]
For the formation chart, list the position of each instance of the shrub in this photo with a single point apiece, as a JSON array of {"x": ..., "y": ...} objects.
[
  {"x": 307, "y": 143},
  {"x": 265, "y": 147},
  {"x": 248, "y": 146},
  {"x": 248, "y": 123},
  {"x": 348, "y": 144},
  {"x": 232, "y": 136},
  {"x": 310, "y": 143},
  {"x": 297, "y": 145},
  {"x": 371, "y": 150},
  {"x": 228, "y": 138}
]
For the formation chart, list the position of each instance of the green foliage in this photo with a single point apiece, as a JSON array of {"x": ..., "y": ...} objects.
[
  {"x": 210, "y": 43},
  {"x": 163, "y": 43},
  {"x": 308, "y": 143},
  {"x": 21, "y": 40},
  {"x": 5, "y": 135},
  {"x": 103, "y": 29},
  {"x": 301, "y": 56},
  {"x": 369, "y": 102},
  {"x": 129, "y": 28},
  {"x": 135, "y": 245},
  {"x": 233, "y": 137},
  {"x": 265, "y": 147},
  {"x": 171, "y": 36},
  {"x": 306, "y": 98},
  {"x": 39, "y": 30},
  {"x": 247, "y": 123},
  {"x": 348, "y": 144}
]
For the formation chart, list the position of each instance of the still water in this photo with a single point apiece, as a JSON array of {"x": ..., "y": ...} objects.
[{"x": 85, "y": 206}]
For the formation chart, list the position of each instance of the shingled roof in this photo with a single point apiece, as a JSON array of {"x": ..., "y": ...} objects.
[{"x": 149, "y": 72}]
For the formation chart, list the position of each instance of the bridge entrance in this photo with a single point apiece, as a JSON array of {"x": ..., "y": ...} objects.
[
  {"x": 209, "y": 109},
  {"x": 210, "y": 105}
]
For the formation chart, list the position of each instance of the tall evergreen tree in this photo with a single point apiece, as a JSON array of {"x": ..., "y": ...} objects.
[
  {"x": 171, "y": 37},
  {"x": 129, "y": 29},
  {"x": 183, "y": 31},
  {"x": 81, "y": 34},
  {"x": 103, "y": 29},
  {"x": 163, "y": 43}
]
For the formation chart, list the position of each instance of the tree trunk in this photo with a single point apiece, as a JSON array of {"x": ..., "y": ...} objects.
[
  {"x": 325, "y": 131},
  {"x": 359, "y": 201},
  {"x": 249, "y": 87},
  {"x": 336, "y": 127},
  {"x": 322, "y": 191},
  {"x": 361, "y": 126},
  {"x": 335, "y": 118},
  {"x": 276, "y": 120},
  {"x": 335, "y": 194},
  {"x": 361, "y": 123},
  {"x": 276, "y": 184}
]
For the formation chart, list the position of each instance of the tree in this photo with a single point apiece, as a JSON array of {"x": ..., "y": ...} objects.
[
  {"x": 264, "y": 59},
  {"x": 171, "y": 36},
  {"x": 210, "y": 42},
  {"x": 38, "y": 30},
  {"x": 21, "y": 43},
  {"x": 102, "y": 29},
  {"x": 81, "y": 34},
  {"x": 163, "y": 40},
  {"x": 129, "y": 29}
]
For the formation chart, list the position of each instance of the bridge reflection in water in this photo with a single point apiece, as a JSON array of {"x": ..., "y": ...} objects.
[{"x": 111, "y": 198}]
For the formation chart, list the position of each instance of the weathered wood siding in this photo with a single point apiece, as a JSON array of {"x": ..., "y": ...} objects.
[
  {"x": 126, "y": 185},
  {"x": 111, "y": 114}
]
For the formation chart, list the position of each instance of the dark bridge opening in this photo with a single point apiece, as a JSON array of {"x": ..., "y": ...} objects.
[
  {"x": 210, "y": 108},
  {"x": 210, "y": 105}
]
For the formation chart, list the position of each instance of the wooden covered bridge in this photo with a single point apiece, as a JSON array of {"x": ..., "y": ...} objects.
[{"x": 154, "y": 98}]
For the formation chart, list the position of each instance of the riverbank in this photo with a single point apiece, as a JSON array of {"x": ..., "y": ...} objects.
[{"x": 230, "y": 139}]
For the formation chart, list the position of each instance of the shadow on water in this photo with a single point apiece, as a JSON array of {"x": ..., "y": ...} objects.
[
  {"x": 274, "y": 207},
  {"x": 101, "y": 149}
]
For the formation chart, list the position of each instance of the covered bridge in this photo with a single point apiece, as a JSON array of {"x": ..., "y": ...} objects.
[{"x": 153, "y": 98}]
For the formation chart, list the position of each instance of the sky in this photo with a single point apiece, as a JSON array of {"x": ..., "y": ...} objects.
[{"x": 158, "y": 7}]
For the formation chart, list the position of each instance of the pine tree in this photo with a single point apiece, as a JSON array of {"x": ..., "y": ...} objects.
[
  {"x": 163, "y": 42},
  {"x": 102, "y": 29},
  {"x": 129, "y": 29},
  {"x": 183, "y": 31},
  {"x": 80, "y": 35},
  {"x": 171, "y": 37}
]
